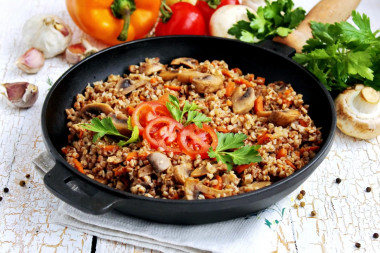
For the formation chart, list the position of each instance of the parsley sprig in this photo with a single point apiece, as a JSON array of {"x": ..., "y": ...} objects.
[
  {"x": 106, "y": 127},
  {"x": 192, "y": 115},
  {"x": 275, "y": 18},
  {"x": 231, "y": 150},
  {"x": 342, "y": 55}
]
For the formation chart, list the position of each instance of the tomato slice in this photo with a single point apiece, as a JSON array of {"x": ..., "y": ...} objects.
[
  {"x": 162, "y": 133},
  {"x": 194, "y": 140},
  {"x": 146, "y": 112}
]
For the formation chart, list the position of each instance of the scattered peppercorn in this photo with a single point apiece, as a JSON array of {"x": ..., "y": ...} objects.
[
  {"x": 22, "y": 183},
  {"x": 6, "y": 190},
  {"x": 1, "y": 198},
  {"x": 313, "y": 213},
  {"x": 338, "y": 180},
  {"x": 27, "y": 175},
  {"x": 295, "y": 206},
  {"x": 368, "y": 189},
  {"x": 375, "y": 235},
  {"x": 302, "y": 204},
  {"x": 303, "y": 192},
  {"x": 357, "y": 245},
  {"x": 299, "y": 196}
]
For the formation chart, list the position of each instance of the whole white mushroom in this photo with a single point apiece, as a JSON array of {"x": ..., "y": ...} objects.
[{"x": 358, "y": 112}]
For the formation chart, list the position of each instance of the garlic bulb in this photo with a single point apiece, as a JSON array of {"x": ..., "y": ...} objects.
[
  {"x": 21, "y": 94},
  {"x": 77, "y": 52},
  {"x": 47, "y": 33},
  {"x": 31, "y": 61},
  {"x": 358, "y": 112}
]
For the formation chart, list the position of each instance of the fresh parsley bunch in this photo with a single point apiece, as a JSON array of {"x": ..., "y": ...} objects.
[
  {"x": 231, "y": 150},
  {"x": 342, "y": 55},
  {"x": 276, "y": 18}
]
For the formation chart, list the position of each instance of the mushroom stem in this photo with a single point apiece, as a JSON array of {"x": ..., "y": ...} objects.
[{"x": 366, "y": 101}]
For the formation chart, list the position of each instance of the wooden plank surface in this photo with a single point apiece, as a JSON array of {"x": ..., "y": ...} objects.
[{"x": 346, "y": 213}]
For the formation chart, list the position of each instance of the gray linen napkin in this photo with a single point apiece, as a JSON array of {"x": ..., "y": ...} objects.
[{"x": 253, "y": 233}]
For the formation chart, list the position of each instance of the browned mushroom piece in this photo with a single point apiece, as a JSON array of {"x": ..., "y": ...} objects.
[
  {"x": 169, "y": 74},
  {"x": 97, "y": 108},
  {"x": 203, "y": 170},
  {"x": 185, "y": 61},
  {"x": 214, "y": 192},
  {"x": 191, "y": 191},
  {"x": 254, "y": 186},
  {"x": 243, "y": 101},
  {"x": 151, "y": 66},
  {"x": 145, "y": 171},
  {"x": 193, "y": 187},
  {"x": 207, "y": 83},
  {"x": 283, "y": 118},
  {"x": 126, "y": 86},
  {"x": 181, "y": 172},
  {"x": 159, "y": 161},
  {"x": 120, "y": 121},
  {"x": 185, "y": 76},
  {"x": 230, "y": 178}
]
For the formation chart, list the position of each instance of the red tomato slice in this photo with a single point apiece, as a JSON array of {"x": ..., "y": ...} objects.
[
  {"x": 162, "y": 133},
  {"x": 146, "y": 112},
  {"x": 194, "y": 140}
]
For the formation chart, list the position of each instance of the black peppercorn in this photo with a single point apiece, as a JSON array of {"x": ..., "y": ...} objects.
[
  {"x": 303, "y": 192},
  {"x": 6, "y": 190},
  {"x": 375, "y": 235},
  {"x": 1, "y": 198},
  {"x": 313, "y": 213},
  {"x": 357, "y": 245},
  {"x": 338, "y": 180},
  {"x": 368, "y": 189},
  {"x": 27, "y": 175},
  {"x": 22, "y": 183}
]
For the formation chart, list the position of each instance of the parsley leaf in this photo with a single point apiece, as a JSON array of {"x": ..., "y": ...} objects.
[
  {"x": 231, "y": 150},
  {"x": 106, "y": 127},
  {"x": 275, "y": 18},
  {"x": 341, "y": 54},
  {"x": 192, "y": 116}
]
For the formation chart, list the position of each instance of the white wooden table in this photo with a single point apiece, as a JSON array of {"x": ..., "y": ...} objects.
[{"x": 346, "y": 213}]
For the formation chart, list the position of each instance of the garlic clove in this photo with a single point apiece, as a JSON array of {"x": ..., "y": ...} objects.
[
  {"x": 47, "y": 33},
  {"x": 77, "y": 52},
  {"x": 21, "y": 94},
  {"x": 31, "y": 61}
]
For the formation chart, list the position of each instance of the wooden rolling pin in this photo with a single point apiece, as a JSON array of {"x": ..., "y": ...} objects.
[{"x": 326, "y": 11}]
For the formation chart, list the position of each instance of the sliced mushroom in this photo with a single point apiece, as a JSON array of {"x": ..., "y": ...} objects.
[
  {"x": 145, "y": 171},
  {"x": 283, "y": 118},
  {"x": 126, "y": 86},
  {"x": 188, "y": 62},
  {"x": 169, "y": 74},
  {"x": 151, "y": 66},
  {"x": 120, "y": 121},
  {"x": 159, "y": 161},
  {"x": 191, "y": 191},
  {"x": 193, "y": 187},
  {"x": 214, "y": 192},
  {"x": 186, "y": 76},
  {"x": 181, "y": 172},
  {"x": 207, "y": 83},
  {"x": 97, "y": 108},
  {"x": 204, "y": 170},
  {"x": 243, "y": 101},
  {"x": 230, "y": 178},
  {"x": 254, "y": 186}
]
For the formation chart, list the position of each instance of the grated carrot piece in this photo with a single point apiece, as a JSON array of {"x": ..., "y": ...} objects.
[
  {"x": 173, "y": 87},
  {"x": 241, "y": 168},
  {"x": 259, "y": 104},
  {"x": 226, "y": 73},
  {"x": 222, "y": 129},
  {"x": 78, "y": 166},
  {"x": 282, "y": 152},
  {"x": 131, "y": 155},
  {"x": 110, "y": 148},
  {"x": 230, "y": 88},
  {"x": 290, "y": 164}
]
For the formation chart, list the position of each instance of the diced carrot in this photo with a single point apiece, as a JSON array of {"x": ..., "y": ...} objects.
[
  {"x": 259, "y": 104},
  {"x": 297, "y": 153},
  {"x": 264, "y": 138},
  {"x": 119, "y": 171},
  {"x": 175, "y": 196},
  {"x": 241, "y": 168},
  {"x": 303, "y": 123},
  {"x": 264, "y": 113},
  {"x": 142, "y": 98},
  {"x": 243, "y": 81},
  {"x": 130, "y": 110},
  {"x": 287, "y": 102},
  {"x": 290, "y": 164},
  {"x": 173, "y": 87},
  {"x": 251, "y": 77},
  {"x": 219, "y": 185},
  {"x": 287, "y": 92},
  {"x": 81, "y": 133},
  {"x": 230, "y": 88},
  {"x": 237, "y": 71},
  {"x": 226, "y": 73},
  {"x": 260, "y": 80},
  {"x": 208, "y": 196},
  {"x": 78, "y": 166},
  {"x": 311, "y": 148},
  {"x": 153, "y": 80},
  {"x": 65, "y": 150},
  {"x": 282, "y": 152},
  {"x": 131, "y": 155},
  {"x": 143, "y": 155},
  {"x": 111, "y": 148},
  {"x": 222, "y": 129},
  {"x": 229, "y": 102}
]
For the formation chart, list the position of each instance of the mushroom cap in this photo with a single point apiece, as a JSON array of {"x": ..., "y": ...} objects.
[
  {"x": 207, "y": 83},
  {"x": 188, "y": 62},
  {"x": 358, "y": 112},
  {"x": 243, "y": 101}
]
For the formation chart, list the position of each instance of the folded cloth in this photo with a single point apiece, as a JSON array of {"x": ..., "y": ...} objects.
[{"x": 253, "y": 233}]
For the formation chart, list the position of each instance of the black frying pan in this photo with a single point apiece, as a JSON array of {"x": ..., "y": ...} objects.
[{"x": 76, "y": 189}]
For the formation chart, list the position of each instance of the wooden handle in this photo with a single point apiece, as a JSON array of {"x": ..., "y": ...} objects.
[{"x": 326, "y": 11}]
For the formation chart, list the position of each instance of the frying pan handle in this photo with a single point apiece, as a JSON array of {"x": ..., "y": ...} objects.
[
  {"x": 277, "y": 47},
  {"x": 326, "y": 11},
  {"x": 78, "y": 193}
]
